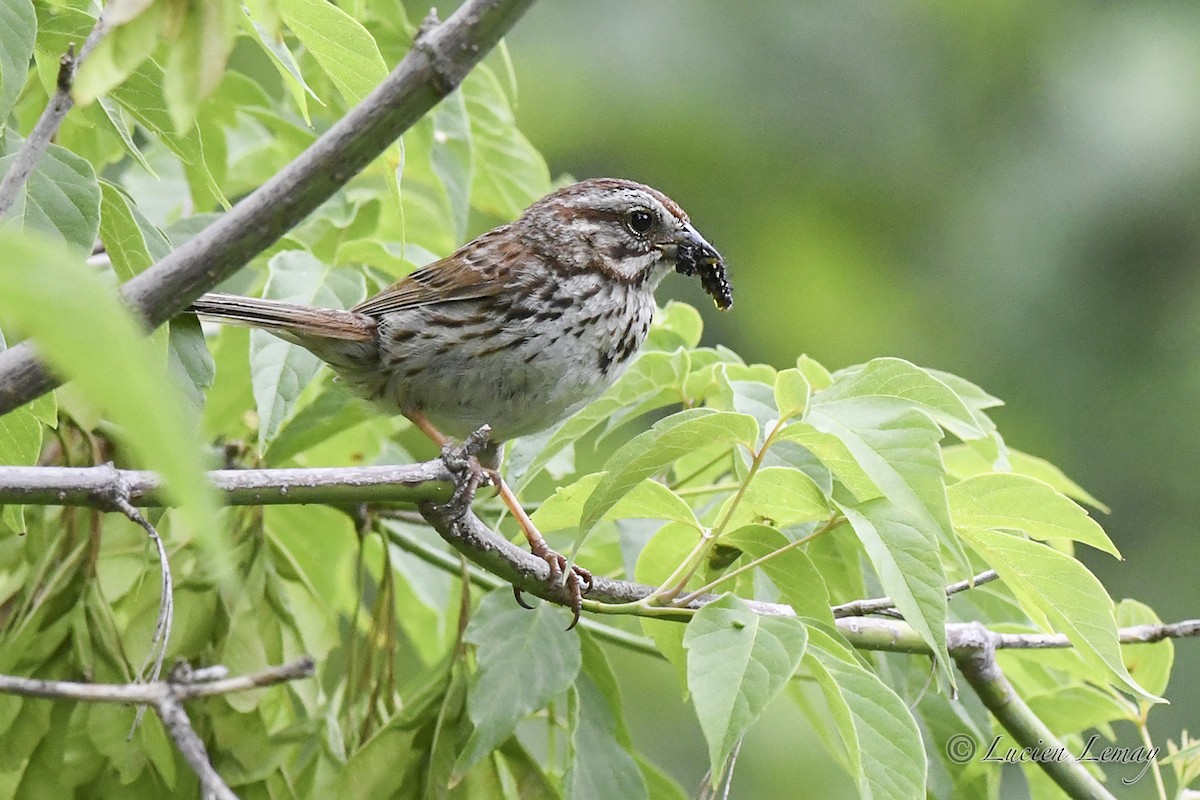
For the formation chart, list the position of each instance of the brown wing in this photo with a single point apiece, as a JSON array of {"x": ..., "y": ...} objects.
[{"x": 473, "y": 271}]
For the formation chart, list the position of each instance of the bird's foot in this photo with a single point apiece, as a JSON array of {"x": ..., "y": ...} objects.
[
  {"x": 463, "y": 463},
  {"x": 576, "y": 581}
]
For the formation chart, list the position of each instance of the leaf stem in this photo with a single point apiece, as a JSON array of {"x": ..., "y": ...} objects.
[{"x": 678, "y": 580}]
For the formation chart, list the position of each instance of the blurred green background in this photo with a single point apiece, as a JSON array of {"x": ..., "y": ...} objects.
[{"x": 1006, "y": 190}]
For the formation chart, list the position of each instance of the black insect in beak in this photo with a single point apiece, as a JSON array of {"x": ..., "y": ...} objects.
[{"x": 696, "y": 256}]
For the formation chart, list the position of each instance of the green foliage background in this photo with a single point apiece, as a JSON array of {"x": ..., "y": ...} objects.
[
  {"x": 1003, "y": 192},
  {"x": 1008, "y": 191}
]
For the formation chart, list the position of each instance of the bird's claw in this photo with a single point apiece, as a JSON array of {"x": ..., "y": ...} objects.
[{"x": 576, "y": 582}]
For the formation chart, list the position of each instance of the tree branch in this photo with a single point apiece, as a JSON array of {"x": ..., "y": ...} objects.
[
  {"x": 976, "y": 659},
  {"x": 99, "y": 487},
  {"x": 166, "y": 698},
  {"x": 429, "y": 485},
  {"x": 34, "y": 147},
  {"x": 182, "y": 684},
  {"x": 180, "y": 729},
  {"x": 436, "y": 64}
]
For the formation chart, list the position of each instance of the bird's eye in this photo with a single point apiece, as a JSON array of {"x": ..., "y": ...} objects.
[{"x": 640, "y": 221}]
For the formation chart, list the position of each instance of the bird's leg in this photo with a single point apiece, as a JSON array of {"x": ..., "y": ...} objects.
[{"x": 577, "y": 581}]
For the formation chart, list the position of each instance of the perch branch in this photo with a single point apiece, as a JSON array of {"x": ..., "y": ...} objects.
[
  {"x": 429, "y": 486},
  {"x": 428, "y": 72}
]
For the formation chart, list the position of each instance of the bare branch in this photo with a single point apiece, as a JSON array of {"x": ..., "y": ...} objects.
[
  {"x": 52, "y": 116},
  {"x": 879, "y": 605},
  {"x": 181, "y": 685},
  {"x": 98, "y": 486},
  {"x": 180, "y": 729},
  {"x": 166, "y": 601},
  {"x": 166, "y": 697},
  {"x": 428, "y": 72}
]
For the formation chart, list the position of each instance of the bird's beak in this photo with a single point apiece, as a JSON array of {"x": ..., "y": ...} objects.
[{"x": 693, "y": 255}]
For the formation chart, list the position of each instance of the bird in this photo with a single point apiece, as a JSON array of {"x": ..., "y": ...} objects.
[{"x": 517, "y": 329}]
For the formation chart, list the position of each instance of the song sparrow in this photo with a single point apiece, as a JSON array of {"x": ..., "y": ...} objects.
[{"x": 516, "y": 329}]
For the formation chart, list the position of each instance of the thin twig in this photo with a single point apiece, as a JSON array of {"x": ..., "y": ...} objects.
[
  {"x": 34, "y": 147},
  {"x": 179, "y": 685},
  {"x": 166, "y": 602},
  {"x": 883, "y": 605},
  {"x": 423, "y": 77}
]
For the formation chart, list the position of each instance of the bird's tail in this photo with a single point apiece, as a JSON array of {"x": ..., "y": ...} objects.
[{"x": 288, "y": 319}]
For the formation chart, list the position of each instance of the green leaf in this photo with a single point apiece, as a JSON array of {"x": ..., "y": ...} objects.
[
  {"x": 86, "y": 334},
  {"x": 1149, "y": 664},
  {"x": 285, "y": 63},
  {"x": 1005, "y": 501},
  {"x": 660, "y": 785},
  {"x": 668, "y": 548},
  {"x": 753, "y": 397},
  {"x": 131, "y": 241},
  {"x": 135, "y": 33},
  {"x": 509, "y": 173},
  {"x": 203, "y": 157},
  {"x": 666, "y": 441},
  {"x": 963, "y": 461},
  {"x": 345, "y": 49},
  {"x": 61, "y": 197},
  {"x": 779, "y": 496},
  {"x": 738, "y": 661},
  {"x": 196, "y": 59},
  {"x": 1073, "y": 708},
  {"x": 675, "y": 325},
  {"x": 647, "y": 500},
  {"x": 526, "y": 659},
  {"x": 600, "y": 768},
  {"x": 973, "y": 397},
  {"x": 332, "y": 411},
  {"x": 20, "y": 444},
  {"x": 818, "y": 377},
  {"x": 889, "y": 383},
  {"x": 189, "y": 360},
  {"x": 792, "y": 393},
  {"x": 18, "y": 30},
  {"x": 282, "y": 370},
  {"x": 792, "y": 571},
  {"x": 453, "y": 158},
  {"x": 835, "y": 456},
  {"x": 898, "y": 448},
  {"x": 883, "y": 743},
  {"x": 905, "y": 557},
  {"x": 1059, "y": 594}
]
